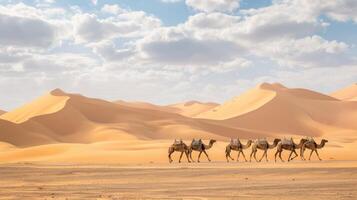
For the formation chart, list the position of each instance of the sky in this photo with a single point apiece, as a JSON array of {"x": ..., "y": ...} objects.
[{"x": 168, "y": 51}]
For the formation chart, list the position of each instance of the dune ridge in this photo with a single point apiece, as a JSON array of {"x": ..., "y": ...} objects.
[
  {"x": 348, "y": 93},
  {"x": 70, "y": 127}
]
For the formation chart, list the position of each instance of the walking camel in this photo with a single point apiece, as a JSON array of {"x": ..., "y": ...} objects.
[
  {"x": 313, "y": 146},
  {"x": 262, "y": 144},
  {"x": 198, "y": 145},
  {"x": 236, "y": 145},
  {"x": 179, "y": 146},
  {"x": 288, "y": 144}
]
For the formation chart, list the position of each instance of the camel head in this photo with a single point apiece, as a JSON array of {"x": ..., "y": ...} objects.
[
  {"x": 277, "y": 140},
  {"x": 324, "y": 141},
  {"x": 212, "y": 141}
]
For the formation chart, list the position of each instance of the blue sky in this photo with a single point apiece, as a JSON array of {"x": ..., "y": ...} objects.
[{"x": 166, "y": 52}]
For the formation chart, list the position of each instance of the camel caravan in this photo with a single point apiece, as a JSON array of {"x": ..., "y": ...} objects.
[{"x": 259, "y": 144}]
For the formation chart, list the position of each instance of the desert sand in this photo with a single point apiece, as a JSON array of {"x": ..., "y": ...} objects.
[
  {"x": 315, "y": 180},
  {"x": 349, "y": 93},
  {"x": 71, "y": 128},
  {"x": 68, "y": 146}
]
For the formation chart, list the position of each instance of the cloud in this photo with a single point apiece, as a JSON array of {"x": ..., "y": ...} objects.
[
  {"x": 26, "y": 32},
  {"x": 212, "y": 21},
  {"x": 311, "y": 51},
  {"x": 214, "y": 5},
  {"x": 111, "y": 53},
  {"x": 112, "y": 9},
  {"x": 189, "y": 51},
  {"x": 89, "y": 28}
]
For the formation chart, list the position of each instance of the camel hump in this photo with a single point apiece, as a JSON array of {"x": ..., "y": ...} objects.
[
  {"x": 177, "y": 142},
  {"x": 286, "y": 141},
  {"x": 310, "y": 139},
  {"x": 196, "y": 143},
  {"x": 262, "y": 140},
  {"x": 234, "y": 141}
]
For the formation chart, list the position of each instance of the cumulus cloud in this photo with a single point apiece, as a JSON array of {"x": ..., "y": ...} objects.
[
  {"x": 89, "y": 28},
  {"x": 190, "y": 51},
  {"x": 112, "y": 9},
  {"x": 213, "y": 51},
  {"x": 214, "y": 5},
  {"x": 27, "y": 32}
]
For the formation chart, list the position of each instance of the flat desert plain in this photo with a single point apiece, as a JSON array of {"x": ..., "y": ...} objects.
[{"x": 314, "y": 180}]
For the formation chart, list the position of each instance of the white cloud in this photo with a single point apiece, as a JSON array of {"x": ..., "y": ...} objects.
[
  {"x": 89, "y": 28},
  {"x": 214, "y": 5},
  {"x": 112, "y": 9},
  {"x": 308, "y": 52},
  {"x": 26, "y": 32}
]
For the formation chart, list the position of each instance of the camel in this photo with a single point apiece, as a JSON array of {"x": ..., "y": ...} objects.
[
  {"x": 198, "y": 145},
  {"x": 236, "y": 145},
  {"x": 262, "y": 144},
  {"x": 179, "y": 146},
  {"x": 288, "y": 144},
  {"x": 313, "y": 146}
]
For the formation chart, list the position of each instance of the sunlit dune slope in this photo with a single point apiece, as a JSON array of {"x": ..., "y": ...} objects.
[
  {"x": 192, "y": 108},
  {"x": 349, "y": 93},
  {"x": 71, "y": 118},
  {"x": 188, "y": 109},
  {"x": 276, "y": 109}
]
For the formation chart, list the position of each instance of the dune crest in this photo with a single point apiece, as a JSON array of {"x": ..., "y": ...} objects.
[
  {"x": 348, "y": 93},
  {"x": 2, "y": 112},
  {"x": 192, "y": 108},
  {"x": 277, "y": 109},
  {"x": 47, "y": 104},
  {"x": 63, "y": 125}
]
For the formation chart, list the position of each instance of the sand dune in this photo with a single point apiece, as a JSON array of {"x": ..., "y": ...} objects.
[
  {"x": 192, "y": 108},
  {"x": 73, "y": 128},
  {"x": 349, "y": 93},
  {"x": 59, "y": 117},
  {"x": 149, "y": 106},
  {"x": 2, "y": 112},
  {"x": 276, "y": 109},
  {"x": 188, "y": 109}
]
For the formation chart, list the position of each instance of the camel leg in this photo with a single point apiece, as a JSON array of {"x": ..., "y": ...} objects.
[
  {"x": 170, "y": 152},
  {"x": 276, "y": 153},
  {"x": 295, "y": 155},
  {"x": 251, "y": 154},
  {"x": 228, "y": 154},
  {"x": 238, "y": 156},
  {"x": 244, "y": 157},
  {"x": 266, "y": 156},
  {"x": 318, "y": 154},
  {"x": 280, "y": 156},
  {"x": 199, "y": 156},
  {"x": 188, "y": 159},
  {"x": 263, "y": 156},
  {"x": 170, "y": 159},
  {"x": 191, "y": 156},
  {"x": 180, "y": 157},
  {"x": 204, "y": 151},
  {"x": 255, "y": 156},
  {"x": 302, "y": 150},
  {"x": 291, "y": 152},
  {"x": 311, "y": 154}
]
